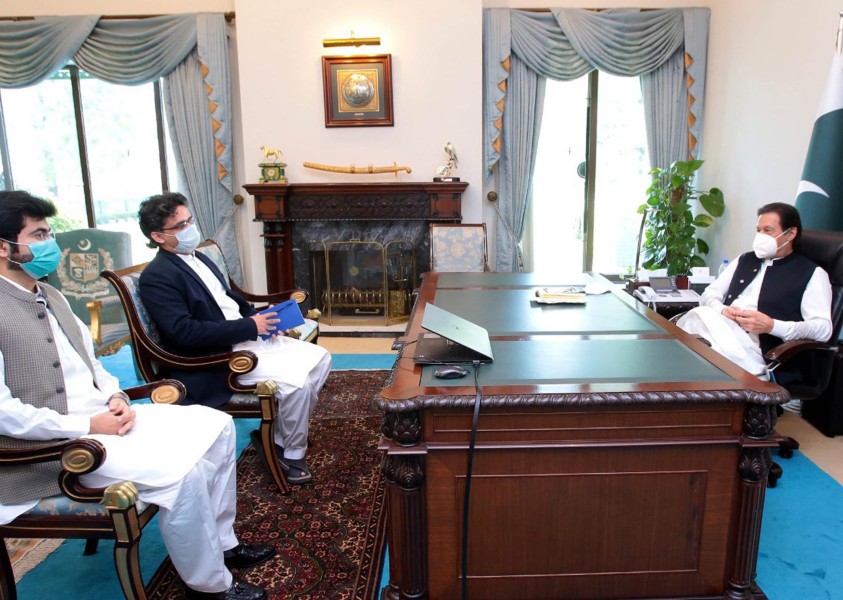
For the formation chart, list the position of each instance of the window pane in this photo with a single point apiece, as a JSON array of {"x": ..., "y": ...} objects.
[
  {"x": 43, "y": 147},
  {"x": 122, "y": 139},
  {"x": 558, "y": 189},
  {"x": 622, "y": 167}
]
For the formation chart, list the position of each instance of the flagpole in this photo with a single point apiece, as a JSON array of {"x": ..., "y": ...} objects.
[{"x": 839, "y": 41}]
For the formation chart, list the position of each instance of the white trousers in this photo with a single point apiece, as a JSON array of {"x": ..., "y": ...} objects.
[
  {"x": 199, "y": 525},
  {"x": 727, "y": 338},
  {"x": 300, "y": 370}
]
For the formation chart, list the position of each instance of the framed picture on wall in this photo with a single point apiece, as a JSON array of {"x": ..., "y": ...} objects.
[{"x": 358, "y": 90}]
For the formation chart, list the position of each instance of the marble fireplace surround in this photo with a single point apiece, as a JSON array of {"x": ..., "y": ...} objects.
[{"x": 300, "y": 217}]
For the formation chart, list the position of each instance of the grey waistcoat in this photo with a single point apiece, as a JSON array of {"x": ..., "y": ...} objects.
[{"x": 33, "y": 374}]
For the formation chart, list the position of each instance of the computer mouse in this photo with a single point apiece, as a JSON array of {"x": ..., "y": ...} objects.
[{"x": 450, "y": 372}]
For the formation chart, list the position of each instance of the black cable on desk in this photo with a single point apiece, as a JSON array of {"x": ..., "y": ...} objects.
[{"x": 468, "y": 469}]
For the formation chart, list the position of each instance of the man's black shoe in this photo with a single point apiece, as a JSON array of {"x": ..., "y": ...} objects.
[
  {"x": 239, "y": 590},
  {"x": 243, "y": 556}
]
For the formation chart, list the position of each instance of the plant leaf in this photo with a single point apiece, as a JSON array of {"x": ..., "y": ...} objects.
[{"x": 713, "y": 202}]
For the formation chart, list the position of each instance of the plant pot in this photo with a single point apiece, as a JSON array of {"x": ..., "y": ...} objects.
[{"x": 682, "y": 282}]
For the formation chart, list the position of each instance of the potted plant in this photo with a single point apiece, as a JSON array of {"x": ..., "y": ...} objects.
[{"x": 670, "y": 226}]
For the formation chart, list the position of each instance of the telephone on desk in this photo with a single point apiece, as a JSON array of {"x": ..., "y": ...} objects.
[{"x": 663, "y": 290}]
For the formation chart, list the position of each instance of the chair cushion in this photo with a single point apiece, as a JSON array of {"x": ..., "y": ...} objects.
[
  {"x": 131, "y": 281},
  {"x": 213, "y": 252},
  {"x": 458, "y": 249},
  {"x": 64, "y": 506}
]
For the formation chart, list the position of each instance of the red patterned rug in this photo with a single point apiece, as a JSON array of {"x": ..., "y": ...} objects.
[{"x": 330, "y": 535}]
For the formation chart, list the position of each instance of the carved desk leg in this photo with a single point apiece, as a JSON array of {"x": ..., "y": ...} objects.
[
  {"x": 407, "y": 531},
  {"x": 754, "y": 467}
]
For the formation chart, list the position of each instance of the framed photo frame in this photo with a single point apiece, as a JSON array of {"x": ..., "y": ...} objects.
[{"x": 358, "y": 90}]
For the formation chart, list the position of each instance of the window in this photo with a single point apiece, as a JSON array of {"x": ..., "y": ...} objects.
[
  {"x": 95, "y": 149},
  {"x": 589, "y": 214}
]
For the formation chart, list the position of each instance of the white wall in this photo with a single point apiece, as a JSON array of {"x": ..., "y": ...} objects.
[
  {"x": 768, "y": 61},
  {"x": 436, "y": 79}
]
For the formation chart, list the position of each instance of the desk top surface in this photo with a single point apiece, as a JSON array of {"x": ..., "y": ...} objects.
[{"x": 609, "y": 350}]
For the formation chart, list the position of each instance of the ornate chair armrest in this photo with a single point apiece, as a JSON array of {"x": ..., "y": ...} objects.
[
  {"x": 787, "y": 350},
  {"x": 298, "y": 295},
  {"x": 200, "y": 363},
  {"x": 46, "y": 452},
  {"x": 165, "y": 391}
]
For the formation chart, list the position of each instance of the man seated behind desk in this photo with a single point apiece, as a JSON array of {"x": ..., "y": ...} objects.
[
  {"x": 764, "y": 297},
  {"x": 197, "y": 314},
  {"x": 52, "y": 387}
]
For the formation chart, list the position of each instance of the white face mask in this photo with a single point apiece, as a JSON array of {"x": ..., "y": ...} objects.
[
  {"x": 765, "y": 246},
  {"x": 188, "y": 239}
]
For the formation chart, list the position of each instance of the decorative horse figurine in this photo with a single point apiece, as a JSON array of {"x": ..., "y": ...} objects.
[{"x": 271, "y": 154}]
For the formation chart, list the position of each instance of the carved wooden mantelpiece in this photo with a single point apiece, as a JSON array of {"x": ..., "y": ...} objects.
[{"x": 290, "y": 212}]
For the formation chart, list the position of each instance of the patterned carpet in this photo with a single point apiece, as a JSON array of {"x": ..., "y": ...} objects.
[{"x": 330, "y": 535}]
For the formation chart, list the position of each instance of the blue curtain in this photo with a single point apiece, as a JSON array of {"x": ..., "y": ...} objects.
[
  {"x": 566, "y": 43},
  {"x": 136, "y": 51}
]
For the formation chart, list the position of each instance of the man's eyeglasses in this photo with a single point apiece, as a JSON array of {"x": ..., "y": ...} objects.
[{"x": 180, "y": 225}]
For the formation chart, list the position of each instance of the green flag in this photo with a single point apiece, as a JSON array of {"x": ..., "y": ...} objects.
[{"x": 819, "y": 197}]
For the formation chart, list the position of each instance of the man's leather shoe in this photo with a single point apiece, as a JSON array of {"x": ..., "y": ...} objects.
[
  {"x": 239, "y": 590},
  {"x": 243, "y": 556}
]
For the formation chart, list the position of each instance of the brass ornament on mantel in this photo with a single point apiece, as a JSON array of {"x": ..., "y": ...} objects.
[{"x": 354, "y": 170}]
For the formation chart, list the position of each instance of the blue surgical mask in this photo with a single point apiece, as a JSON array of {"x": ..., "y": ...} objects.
[
  {"x": 46, "y": 256},
  {"x": 188, "y": 238}
]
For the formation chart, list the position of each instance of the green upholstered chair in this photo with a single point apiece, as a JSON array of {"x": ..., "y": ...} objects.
[
  {"x": 458, "y": 247},
  {"x": 253, "y": 402},
  {"x": 85, "y": 253},
  {"x": 113, "y": 513}
]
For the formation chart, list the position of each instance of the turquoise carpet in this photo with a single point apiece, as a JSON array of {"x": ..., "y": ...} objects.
[{"x": 801, "y": 538}]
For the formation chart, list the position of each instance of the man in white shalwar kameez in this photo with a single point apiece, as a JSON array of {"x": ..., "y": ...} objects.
[
  {"x": 181, "y": 458},
  {"x": 764, "y": 297},
  {"x": 197, "y": 314}
]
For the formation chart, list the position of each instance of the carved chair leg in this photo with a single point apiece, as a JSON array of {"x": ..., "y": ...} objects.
[
  {"x": 7, "y": 576},
  {"x": 269, "y": 410},
  {"x": 126, "y": 552}
]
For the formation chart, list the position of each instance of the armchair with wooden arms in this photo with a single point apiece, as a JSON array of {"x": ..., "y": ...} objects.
[
  {"x": 255, "y": 401},
  {"x": 804, "y": 367},
  {"x": 113, "y": 513},
  {"x": 458, "y": 247},
  {"x": 84, "y": 254}
]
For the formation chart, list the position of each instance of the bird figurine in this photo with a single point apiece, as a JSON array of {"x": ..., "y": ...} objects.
[
  {"x": 443, "y": 172},
  {"x": 453, "y": 162}
]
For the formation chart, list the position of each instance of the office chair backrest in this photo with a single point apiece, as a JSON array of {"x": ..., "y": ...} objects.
[{"x": 826, "y": 249}]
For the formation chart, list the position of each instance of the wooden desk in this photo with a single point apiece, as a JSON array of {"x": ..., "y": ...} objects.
[{"x": 616, "y": 456}]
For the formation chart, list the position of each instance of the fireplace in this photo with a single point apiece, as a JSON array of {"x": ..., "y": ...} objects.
[{"x": 315, "y": 232}]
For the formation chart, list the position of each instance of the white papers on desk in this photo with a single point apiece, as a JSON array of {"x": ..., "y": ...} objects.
[{"x": 560, "y": 295}]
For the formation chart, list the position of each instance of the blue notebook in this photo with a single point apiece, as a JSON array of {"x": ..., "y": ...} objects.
[{"x": 289, "y": 313}]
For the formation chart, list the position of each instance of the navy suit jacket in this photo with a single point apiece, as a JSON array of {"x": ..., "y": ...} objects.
[{"x": 191, "y": 323}]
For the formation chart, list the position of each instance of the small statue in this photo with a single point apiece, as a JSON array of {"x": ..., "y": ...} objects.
[
  {"x": 271, "y": 155},
  {"x": 443, "y": 172},
  {"x": 272, "y": 169}
]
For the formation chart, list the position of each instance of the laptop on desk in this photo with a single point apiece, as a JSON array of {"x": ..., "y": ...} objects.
[{"x": 452, "y": 340}]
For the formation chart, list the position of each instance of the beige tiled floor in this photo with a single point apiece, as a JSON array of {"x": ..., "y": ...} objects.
[
  {"x": 825, "y": 452},
  {"x": 356, "y": 345}
]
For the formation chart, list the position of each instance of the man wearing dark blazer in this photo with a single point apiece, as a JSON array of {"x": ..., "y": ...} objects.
[{"x": 197, "y": 314}]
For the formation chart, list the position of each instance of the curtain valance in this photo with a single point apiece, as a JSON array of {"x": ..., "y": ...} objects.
[
  {"x": 566, "y": 43},
  {"x": 131, "y": 51}
]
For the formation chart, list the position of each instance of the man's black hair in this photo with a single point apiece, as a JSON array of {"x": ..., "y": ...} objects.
[
  {"x": 788, "y": 217},
  {"x": 155, "y": 210},
  {"x": 15, "y": 207}
]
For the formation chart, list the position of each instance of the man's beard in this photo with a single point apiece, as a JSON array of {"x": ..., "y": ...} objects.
[{"x": 17, "y": 257}]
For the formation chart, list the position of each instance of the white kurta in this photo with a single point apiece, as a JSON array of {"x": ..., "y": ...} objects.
[
  {"x": 741, "y": 347},
  {"x": 298, "y": 368},
  {"x": 181, "y": 458}
]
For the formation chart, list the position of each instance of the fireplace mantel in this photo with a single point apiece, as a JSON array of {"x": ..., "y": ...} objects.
[{"x": 284, "y": 207}]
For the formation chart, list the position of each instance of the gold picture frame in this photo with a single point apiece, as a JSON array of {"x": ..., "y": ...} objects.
[{"x": 358, "y": 90}]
